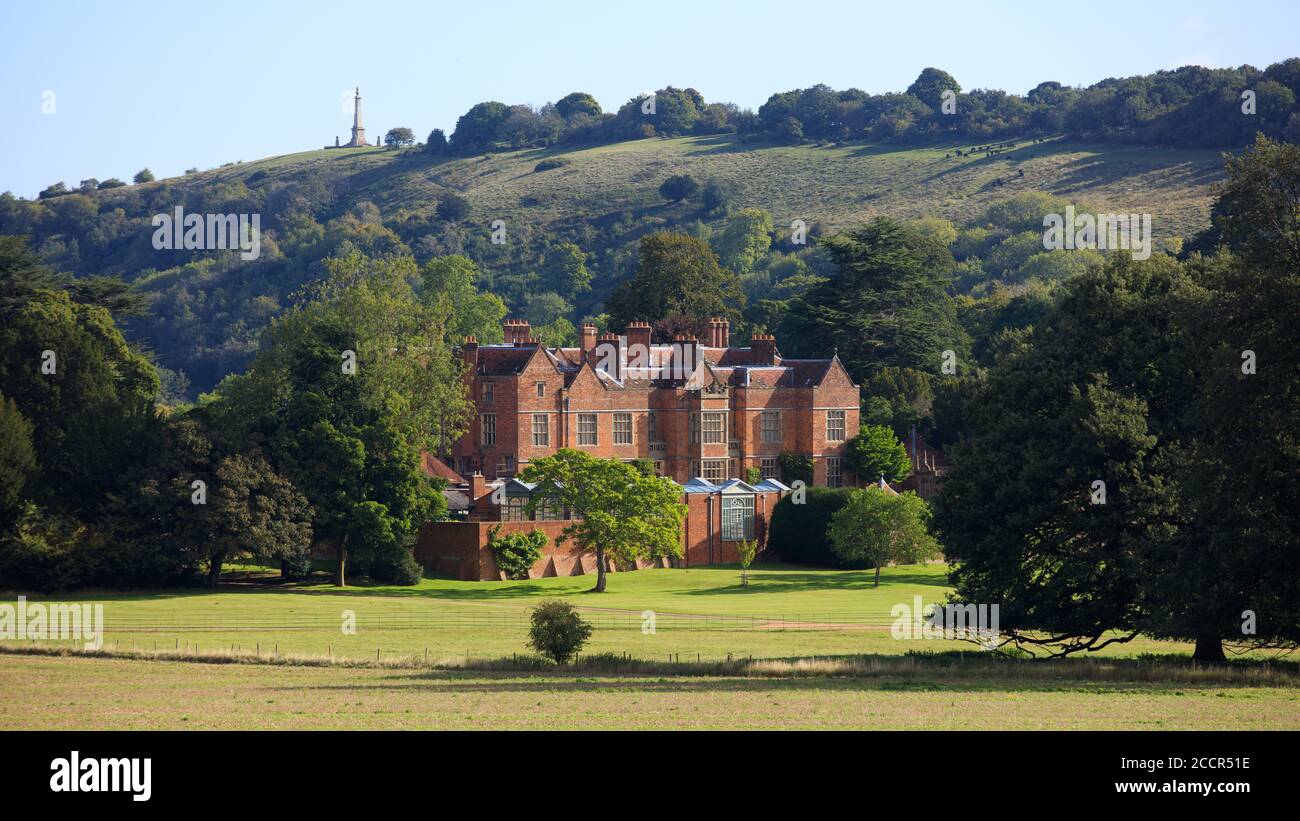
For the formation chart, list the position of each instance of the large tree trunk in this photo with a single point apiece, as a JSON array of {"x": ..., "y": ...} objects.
[
  {"x": 339, "y": 578},
  {"x": 214, "y": 569},
  {"x": 1209, "y": 648},
  {"x": 877, "y": 575},
  {"x": 600, "y": 570}
]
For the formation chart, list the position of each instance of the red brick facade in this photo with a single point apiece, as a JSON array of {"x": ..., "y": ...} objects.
[
  {"x": 459, "y": 549},
  {"x": 708, "y": 410}
]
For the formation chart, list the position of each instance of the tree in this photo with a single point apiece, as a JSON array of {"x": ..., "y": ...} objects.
[
  {"x": 880, "y": 527},
  {"x": 143, "y": 175},
  {"x": 576, "y": 103},
  {"x": 251, "y": 511},
  {"x": 452, "y": 208},
  {"x": 887, "y": 303},
  {"x": 747, "y": 548},
  {"x": 564, "y": 270},
  {"x": 677, "y": 275},
  {"x": 448, "y": 285},
  {"x": 678, "y": 187},
  {"x": 618, "y": 512},
  {"x": 111, "y": 182},
  {"x": 437, "y": 142},
  {"x": 1066, "y": 476},
  {"x": 477, "y": 129},
  {"x": 875, "y": 452},
  {"x": 930, "y": 85},
  {"x": 350, "y": 386},
  {"x": 17, "y": 459},
  {"x": 716, "y": 196},
  {"x": 516, "y": 553},
  {"x": 745, "y": 240},
  {"x": 557, "y": 631},
  {"x": 399, "y": 136}
]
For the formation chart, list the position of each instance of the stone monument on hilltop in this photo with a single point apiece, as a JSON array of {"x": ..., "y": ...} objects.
[{"x": 358, "y": 131}]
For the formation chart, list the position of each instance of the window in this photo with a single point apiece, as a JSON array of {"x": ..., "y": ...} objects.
[
  {"x": 834, "y": 472},
  {"x": 487, "y": 393},
  {"x": 541, "y": 431},
  {"x": 515, "y": 509},
  {"x": 714, "y": 470},
  {"x": 695, "y": 429},
  {"x": 586, "y": 429},
  {"x": 769, "y": 468},
  {"x": 771, "y": 423},
  {"x": 659, "y": 467},
  {"x": 489, "y": 429},
  {"x": 622, "y": 428},
  {"x": 541, "y": 390},
  {"x": 737, "y": 518},
  {"x": 549, "y": 509},
  {"x": 712, "y": 428},
  {"x": 835, "y": 426},
  {"x": 652, "y": 426}
]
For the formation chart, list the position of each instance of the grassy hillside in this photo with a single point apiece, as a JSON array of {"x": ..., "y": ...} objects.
[
  {"x": 838, "y": 185},
  {"x": 210, "y": 306}
]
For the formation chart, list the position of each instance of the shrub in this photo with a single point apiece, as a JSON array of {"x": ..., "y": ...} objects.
[
  {"x": 798, "y": 532},
  {"x": 395, "y": 566},
  {"x": 516, "y": 553},
  {"x": 143, "y": 175},
  {"x": 558, "y": 632},
  {"x": 678, "y": 187},
  {"x": 547, "y": 165},
  {"x": 452, "y": 208},
  {"x": 796, "y": 467}
]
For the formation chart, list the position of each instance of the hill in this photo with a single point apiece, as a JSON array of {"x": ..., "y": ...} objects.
[{"x": 208, "y": 306}]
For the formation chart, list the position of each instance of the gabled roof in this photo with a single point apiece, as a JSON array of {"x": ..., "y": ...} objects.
[
  {"x": 770, "y": 485},
  {"x": 736, "y": 486},
  {"x": 502, "y": 360},
  {"x": 434, "y": 467},
  {"x": 699, "y": 485}
]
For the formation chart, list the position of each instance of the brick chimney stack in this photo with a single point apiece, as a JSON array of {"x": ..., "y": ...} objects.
[
  {"x": 516, "y": 330},
  {"x": 610, "y": 356},
  {"x": 719, "y": 332},
  {"x": 588, "y": 339},
  {"x": 469, "y": 352},
  {"x": 762, "y": 349},
  {"x": 638, "y": 333}
]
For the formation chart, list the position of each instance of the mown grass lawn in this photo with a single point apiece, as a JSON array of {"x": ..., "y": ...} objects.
[{"x": 697, "y": 614}]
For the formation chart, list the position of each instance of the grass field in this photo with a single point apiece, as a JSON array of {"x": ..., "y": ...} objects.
[
  {"x": 446, "y": 651},
  {"x": 64, "y": 693},
  {"x": 699, "y": 614}
]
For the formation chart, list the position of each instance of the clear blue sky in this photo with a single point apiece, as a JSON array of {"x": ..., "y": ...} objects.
[{"x": 177, "y": 84}]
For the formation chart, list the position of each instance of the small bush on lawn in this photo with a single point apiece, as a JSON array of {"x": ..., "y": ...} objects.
[
  {"x": 558, "y": 632},
  {"x": 516, "y": 553},
  {"x": 547, "y": 165}
]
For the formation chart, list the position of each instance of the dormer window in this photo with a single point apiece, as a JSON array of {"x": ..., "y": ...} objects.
[{"x": 541, "y": 390}]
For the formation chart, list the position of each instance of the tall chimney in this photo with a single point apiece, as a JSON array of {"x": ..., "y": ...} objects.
[
  {"x": 610, "y": 356},
  {"x": 588, "y": 339},
  {"x": 719, "y": 332},
  {"x": 515, "y": 330},
  {"x": 638, "y": 334},
  {"x": 762, "y": 349},
  {"x": 469, "y": 352}
]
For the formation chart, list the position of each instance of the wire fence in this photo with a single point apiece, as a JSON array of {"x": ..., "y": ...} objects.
[{"x": 171, "y": 623}]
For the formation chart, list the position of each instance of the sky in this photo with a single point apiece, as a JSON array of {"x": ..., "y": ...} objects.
[{"x": 102, "y": 89}]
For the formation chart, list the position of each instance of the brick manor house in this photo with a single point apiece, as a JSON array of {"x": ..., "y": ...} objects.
[{"x": 707, "y": 410}]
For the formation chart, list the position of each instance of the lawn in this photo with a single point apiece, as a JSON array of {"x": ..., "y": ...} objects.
[
  {"x": 698, "y": 614},
  {"x": 84, "y": 693}
]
